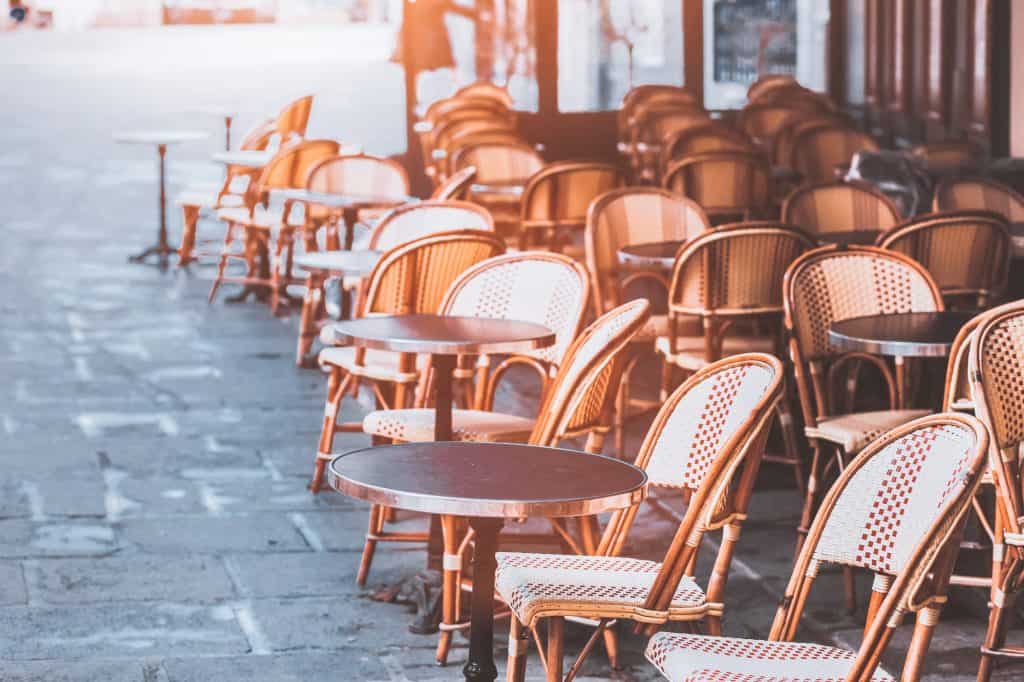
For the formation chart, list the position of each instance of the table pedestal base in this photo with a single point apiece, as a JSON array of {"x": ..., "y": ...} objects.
[
  {"x": 162, "y": 251},
  {"x": 480, "y": 666}
]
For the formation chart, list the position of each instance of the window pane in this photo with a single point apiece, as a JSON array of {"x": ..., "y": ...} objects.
[
  {"x": 489, "y": 39},
  {"x": 605, "y": 47},
  {"x": 748, "y": 38}
]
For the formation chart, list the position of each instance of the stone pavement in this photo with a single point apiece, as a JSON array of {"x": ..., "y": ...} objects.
[{"x": 154, "y": 450}]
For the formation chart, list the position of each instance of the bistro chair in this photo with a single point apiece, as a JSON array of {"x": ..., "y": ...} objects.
[
  {"x": 713, "y": 137},
  {"x": 795, "y": 95},
  {"x": 706, "y": 441},
  {"x": 944, "y": 158},
  {"x": 768, "y": 81},
  {"x": 728, "y": 284},
  {"x": 820, "y": 151},
  {"x": 897, "y": 510},
  {"x": 195, "y": 200},
  {"x": 979, "y": 194},
  {"x": 726, "y": 184},
  {"x": 967, "y": 253},
  {"x": 828, "y": 284},
  {"x": 486, "y": 90},
  {"x": 634, "y": 215},
  {"x": 258, "y": 223},
  {"x": 785, "y": 139},
  {"x": 555, "y": 201},
  {"x": 996, "y": 369},
  {"x": 499, "y": 164},
  {"x": 410, "y": 278},
  {"x": 837, "y": 206},
  {"x": 355, "y": 175},
  {"x": 456, "y": 186},
  {"x": 762, "y": 122},
  {"x": 401, "y": 225},
  {"x": 293, "y": 119},
  {"x": 575, "y": 403},
  {"x": 653, "y": 123}
]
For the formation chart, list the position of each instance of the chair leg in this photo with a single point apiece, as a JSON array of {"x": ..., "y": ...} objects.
[
  {"x": 809, "y": 494},
  {"x": 373, "y": 530},
  {"x": 186, "y": 251},
  {"x": 336, "y": 387},
  {"x": 611, "y": 647},
  {"x": 307, "y": 319},
  {"x": 668, "y": 371},
  {"x": 225, "y": 253},
  {"x": 452, "y": 565},
  {"x": 790, "y": 441},
  {"x": 849, "y": 590},
  {"x": 518, "y": 647},
  {"x": 1000, "y": 609},
  {"x": 554, "y": 653}
]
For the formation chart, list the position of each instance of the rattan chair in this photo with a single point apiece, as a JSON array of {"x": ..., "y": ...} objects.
[
  {"x": 706, "y": 441},
  {"x": 399, "y": 226},
  {"x": 634, "y": 215},
  {"x": 768, "y": 81},
  {"x": 897, "y": 511},
  {"x": 819, "y": 151},
  {"x": 486, "y": 90},
  {"x": 785, "y": 138},
  {"x": 943, "y": 158},
  {"x": 193, "y": 201},
  {"x": 410, "y": 278},
  {"x": 652, "y": 124},
  {"x": 796, "y": 96},
  {"x": 292, "y": 121},
  {"x": 726, "y": 184},
  {"x": 967, "y": 253},
  {"x": 829, "y": 284},
  {"x": 996, "y": 371},
  {"x": 763, "y": 122},
  {"x": 979, "y": 194},
  {"x": 456, "y": 186},
  {"x": 259, "y": 224},
  {"x": 554, "y": 204},
  {"x": 711, "y": 137},
  {"x": 726, "y": 298},
  {"x": 500, "y": 164},
  {"x": 839, "y": 207},
  {"x": 575, "y": 404}
]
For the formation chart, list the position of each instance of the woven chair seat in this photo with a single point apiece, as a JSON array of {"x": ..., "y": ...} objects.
[
  {"x": 417, "y": 426},
  {"x": 855, "y": 430},
  {"x": 699, "y": 658},
  {"x": 541, "y": 585},
  {"x": 262, "y": 218},
  {"x": 381, "y": 365},
  {"x": 690, "y": 349}
]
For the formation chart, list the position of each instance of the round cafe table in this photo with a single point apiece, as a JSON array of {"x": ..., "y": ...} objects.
[
  {"x": 222, "y": 112},
  {"x": 849, "y": 238},
  {"x": 900, "y": 336},
  {"x": 252, "y": 159},
  {"x": 660, "y": 255},
  {"x": 488, "y": 483},
  {"x": 161, "y": 139}
]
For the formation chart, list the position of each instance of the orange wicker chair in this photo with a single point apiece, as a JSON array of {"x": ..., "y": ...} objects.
[
  {"x": 652, "y": 124},
  {"x": 399, "y": 226},
  {"x": 485, "y": 90},
  {"x": 575, "y": 403},
  {"x": 768, "y": 81},
  {"x": 456, "y": 187},
  {"x": 820, "y": 150},
  {"x": 555, "y": 201},
  {"x": 785, "y": 138},
  {"x": 796, "y": 96},
  {"x": 946, "y": 157},
  {"x": 256, "y": 223},
  {"x": 839, "y": 207},
  {"x": 706, "y": 441},
  {"x": 726, "y": 184},
  {"x": 500, "y": 164},
  {"x": 292, "y": 121},
  {"x": 828, "y": 284},
  {"x": 979, "y": 194},
  {"x": 966, "y": 252},
  {"x": 194, "y": 201},
  {"x": 713, "y": 137},
  {"x": 410, "y": 278},
  {"x": 728, "y": 284},
  {"x": 634, "y": 215},
  {"x": 997, "y": 385},
  {"x": 897, "y": 511},
  {"x": 763, "y": 122}
]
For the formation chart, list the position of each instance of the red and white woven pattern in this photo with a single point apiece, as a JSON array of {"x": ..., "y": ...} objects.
[
  {"x": 895, "y": 497},
  {"x": 702, "y": 422},
  {"x": 698, "y": 658},
  {"x": 535, "y": 585},
  {"x": 548, "y": 292},
  {"x": 416, "y": 425},
  {"x": 421, "y": 221}
]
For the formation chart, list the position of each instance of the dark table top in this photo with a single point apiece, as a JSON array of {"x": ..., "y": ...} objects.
[
  {"x": 441, "y": 334},
  {"x": 850, "y": 238},
  {"x": 355, "y": 262},
  {"x": 487, "y": 479},
  {"x": 900, "y": 334},
  {"x": 332, "y": 200},
  {"x": 652, "y": 254}
]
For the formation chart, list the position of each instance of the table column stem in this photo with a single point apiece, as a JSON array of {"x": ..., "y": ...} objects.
[
  {"x": 480, "y": 666},
  {"x": 444, "y": 368}
]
